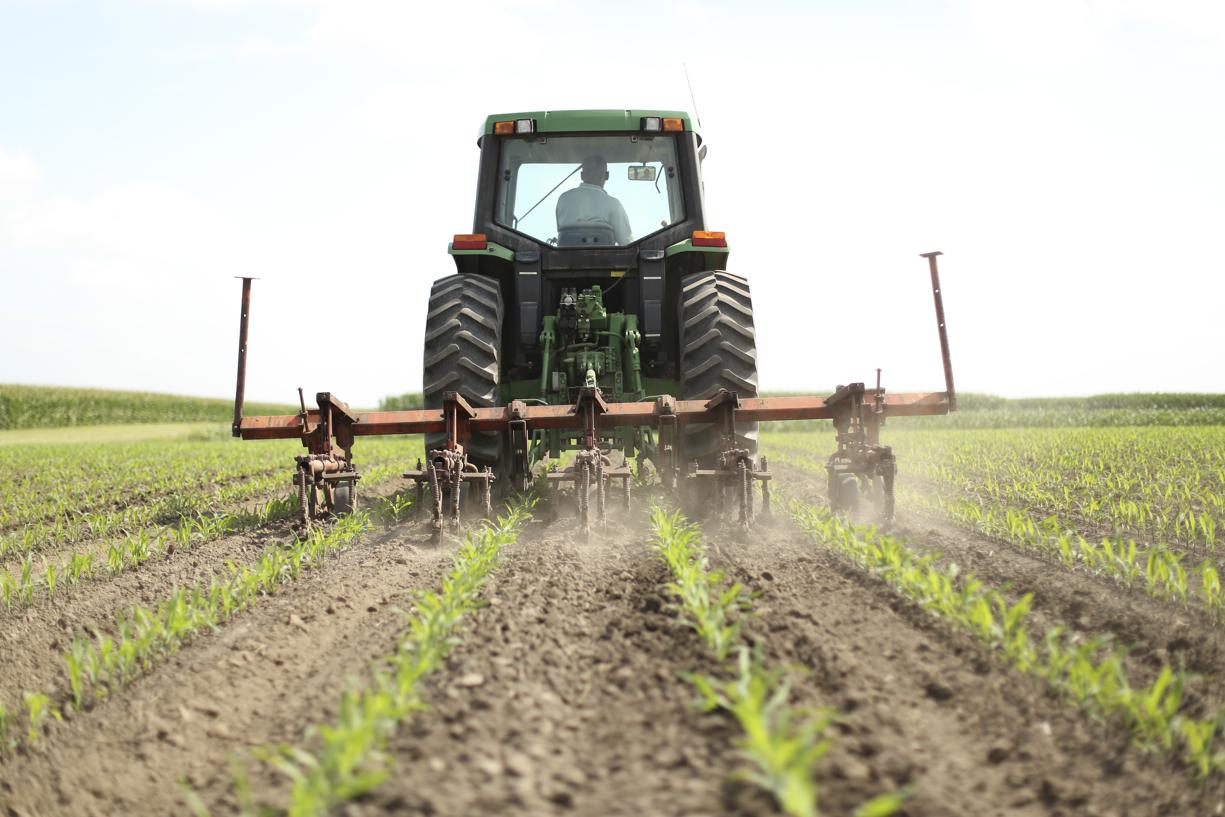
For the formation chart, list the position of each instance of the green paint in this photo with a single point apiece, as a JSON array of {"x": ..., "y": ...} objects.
[
  {"x": 687, "y": 246},
  {"x": 495, "y": 250}
]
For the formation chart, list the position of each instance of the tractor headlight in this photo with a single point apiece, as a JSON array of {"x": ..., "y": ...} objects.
[
  {"x": 525, "y": 126},
  {"x": 653, "y": 123}
]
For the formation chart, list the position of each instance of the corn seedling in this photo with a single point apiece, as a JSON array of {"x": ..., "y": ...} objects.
[
  {"x": 710, "y": 605},
  {"x": 142, "y": 634},
  {"x": 1090, "y": 673},
  {"x": 6, "y": 728},
  {"x": 38, "y": 707},
  {"x": 350, "y": 759},
  {"x": 784, "y": 744}
]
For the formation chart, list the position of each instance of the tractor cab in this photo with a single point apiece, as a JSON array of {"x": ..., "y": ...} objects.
[{"x": 589, "y": 180}]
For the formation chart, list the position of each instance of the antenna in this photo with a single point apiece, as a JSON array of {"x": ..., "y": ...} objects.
[{"x": 691, "y": 97}]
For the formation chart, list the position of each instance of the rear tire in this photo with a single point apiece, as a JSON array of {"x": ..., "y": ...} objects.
[
  {"x": 463, "y": 346},
  {"x": 718, "y": 351}
]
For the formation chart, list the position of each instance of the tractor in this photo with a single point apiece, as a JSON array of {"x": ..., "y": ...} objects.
[{"x": 543, "y": 305}]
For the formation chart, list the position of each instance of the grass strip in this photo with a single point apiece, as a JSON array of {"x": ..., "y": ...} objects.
[
  {"x": 783, "y": 743},
  {"x": 1089, "y": 673},
  {"x": 351, "y": 757}
]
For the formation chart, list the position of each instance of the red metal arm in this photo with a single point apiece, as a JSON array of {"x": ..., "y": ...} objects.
[{"x": 752, "y": 409}]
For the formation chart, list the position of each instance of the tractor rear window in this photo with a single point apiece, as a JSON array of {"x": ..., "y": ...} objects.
[{"x": 589, "y": 190}]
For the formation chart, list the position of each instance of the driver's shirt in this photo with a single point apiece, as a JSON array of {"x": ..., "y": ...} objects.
[{"x": 590, "y": 204}]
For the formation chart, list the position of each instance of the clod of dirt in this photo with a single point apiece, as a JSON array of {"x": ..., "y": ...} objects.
[
  {"x": 997, "y": 755},
  {"x": 470, "y": 679},
  {"x": 937, "y": 691}
]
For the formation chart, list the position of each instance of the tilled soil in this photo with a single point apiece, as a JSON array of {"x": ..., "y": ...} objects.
[
  {"x": 567, "y": 698},
  {"x": 262, "y": 678},
  {"x": 924, "y": 706},
  {"x": 567, "y": 695}
]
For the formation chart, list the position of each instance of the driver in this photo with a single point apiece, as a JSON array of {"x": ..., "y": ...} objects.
[{"x": 590, "y": 204}]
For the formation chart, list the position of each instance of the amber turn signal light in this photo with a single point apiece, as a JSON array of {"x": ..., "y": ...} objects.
[
  {"x": 706, "y": 238},
  {"x": 473, "y": 241}
]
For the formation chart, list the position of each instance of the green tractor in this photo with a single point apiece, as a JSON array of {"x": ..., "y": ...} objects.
[{"x": 589, "y": 265}]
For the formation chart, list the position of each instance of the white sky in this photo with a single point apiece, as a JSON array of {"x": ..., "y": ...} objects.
[{"x": 1068, "y": 157}]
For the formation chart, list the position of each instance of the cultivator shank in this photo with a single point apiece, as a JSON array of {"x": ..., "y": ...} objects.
[
  {"x": 860, "y": 461},
  {"x": 447, "y": 469},
  {"x": 326, "y": 478},
  {"x": 735, "y": 471}
]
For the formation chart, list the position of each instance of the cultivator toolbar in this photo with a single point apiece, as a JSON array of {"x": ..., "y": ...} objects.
[{"x": 326, "y": 477}]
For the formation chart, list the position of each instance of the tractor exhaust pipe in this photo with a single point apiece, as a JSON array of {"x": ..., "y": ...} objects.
[
  {"x": 944, "y": 335},
  {"x": 241, "y": 387}
]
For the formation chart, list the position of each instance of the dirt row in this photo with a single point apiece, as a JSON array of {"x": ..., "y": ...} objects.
[{"x": 567, "y": 695}]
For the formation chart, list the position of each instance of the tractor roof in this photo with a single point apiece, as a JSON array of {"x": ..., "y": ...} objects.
[{"x": 571, "y": 121}]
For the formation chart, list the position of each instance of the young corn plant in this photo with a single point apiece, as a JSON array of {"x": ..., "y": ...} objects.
[
  {"x": 38, "y": 707},
  {"x": 350, "y": 759},
  {"x": 783, "y": 743},
  {"x": 710, "y": 605},
  {"x": 143, "y": 634},
  {"x": 50, "y": 576},
  {"x": 1091, "y": 673},
  {"x": 7, "y": 743}
]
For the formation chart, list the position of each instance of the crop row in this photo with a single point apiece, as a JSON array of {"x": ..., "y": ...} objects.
[
  {"x": 20, "y": 585},
  {"x": 349, "y": 759},
  {"x": 83, "y": 527},
  {"x": 18, "y": 588},
  {"x": 1090, "y": 673},
  {"x": 97, "y": 664},
  {"x": 1160, "y": 571},
  {"x": 64, "y": 480},
  {"x": 171, "y": 482},
  {"x": 784, "y": 743},
  {"x": 1161, "y": 484}
]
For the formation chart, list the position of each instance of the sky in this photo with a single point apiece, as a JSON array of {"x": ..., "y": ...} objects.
[{"x": 1068, "y": 157}]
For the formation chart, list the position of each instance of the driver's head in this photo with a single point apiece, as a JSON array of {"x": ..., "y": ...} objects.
[{"x": 595, "y": 170}]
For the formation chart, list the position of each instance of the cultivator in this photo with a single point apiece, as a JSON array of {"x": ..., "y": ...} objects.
[{"x": 326, "y": 477}]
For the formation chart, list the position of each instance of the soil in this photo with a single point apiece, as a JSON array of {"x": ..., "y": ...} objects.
[{"x": 567, "y": 694}]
